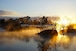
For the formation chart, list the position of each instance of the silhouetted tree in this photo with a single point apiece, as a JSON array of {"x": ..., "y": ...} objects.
[
  {"x": 44, "y": 20},
  {"x": 2, "y": 23},
  {"x": 12, "y": 25},
  {"x": 70, "y": 29},
  {"x": 26, "y": 20}
]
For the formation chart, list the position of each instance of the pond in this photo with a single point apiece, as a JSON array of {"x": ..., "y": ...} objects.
[{"x": 16, "y": 41}]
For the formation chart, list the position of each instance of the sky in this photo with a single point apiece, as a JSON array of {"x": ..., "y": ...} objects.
[{"x": 40, "y": 7}]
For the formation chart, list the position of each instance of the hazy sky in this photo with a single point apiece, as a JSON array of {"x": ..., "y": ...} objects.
[{"x": 40, "y": 7}]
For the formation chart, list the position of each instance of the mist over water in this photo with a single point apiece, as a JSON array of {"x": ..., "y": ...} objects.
[
  {"x": 27, "y": 40},
  {"x": 20, "y": 34}
]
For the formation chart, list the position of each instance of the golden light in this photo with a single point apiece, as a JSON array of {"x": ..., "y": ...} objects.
[
  {"x": 30, "y": 31},
  {"x": 64, "y": 21},
  {"x": 62, "y": 40},
  {"x": 62, "y": 24},
  {"x": 74, "y": 26},
  {"x": 59, "y": 37}
]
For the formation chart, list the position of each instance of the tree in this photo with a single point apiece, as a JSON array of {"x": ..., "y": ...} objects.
[
  {"x": 12, "y": 25},
  {"x": 26, "y": 19},
  {"x": 43, "y": 20},
  {"x": 2, "y": 23}
]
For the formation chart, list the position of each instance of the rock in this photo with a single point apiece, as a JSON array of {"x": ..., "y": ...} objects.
[{"x": 48, "y": 33}]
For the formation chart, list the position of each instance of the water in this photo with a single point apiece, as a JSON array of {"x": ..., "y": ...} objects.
[{"x": 19, "y": 41}]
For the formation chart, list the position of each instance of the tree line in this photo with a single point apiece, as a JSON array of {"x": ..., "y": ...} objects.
[{"x": 16, "y": 24}]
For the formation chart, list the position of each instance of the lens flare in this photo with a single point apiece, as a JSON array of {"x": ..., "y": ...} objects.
[
  {"x": 61, "y": 27},
  {"x": 64, "y": 21},
  {"x": 62, "y": 24}
]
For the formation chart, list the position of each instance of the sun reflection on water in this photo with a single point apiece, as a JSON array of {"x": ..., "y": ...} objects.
[{"x": 61, "y": 40}]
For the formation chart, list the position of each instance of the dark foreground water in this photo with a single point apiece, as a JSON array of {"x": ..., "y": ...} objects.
[{"x": 21, "y": 42}]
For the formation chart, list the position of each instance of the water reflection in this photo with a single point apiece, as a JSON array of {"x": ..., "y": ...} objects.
[
  {"x": 53, "y": 41},
  {"x": 50, "y": 41}
]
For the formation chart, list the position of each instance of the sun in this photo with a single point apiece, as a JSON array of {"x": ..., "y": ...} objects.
[
  {"x": 64, "y": 21},
  {"x": 62, "y": 25}
]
